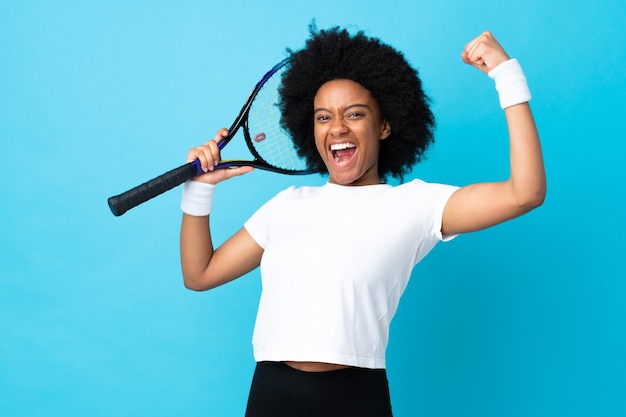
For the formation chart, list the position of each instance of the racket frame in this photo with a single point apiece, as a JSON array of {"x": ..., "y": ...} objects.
[{"x": 121, "y": 203}]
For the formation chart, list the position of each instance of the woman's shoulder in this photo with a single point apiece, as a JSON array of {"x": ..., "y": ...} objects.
[
  {"x": 424, "y": 188},
  {"x": 298, "y": 192},
  {"x": 418, "y": 183}
]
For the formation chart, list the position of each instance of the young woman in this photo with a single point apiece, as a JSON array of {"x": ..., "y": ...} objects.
[{"x": 335, "y": 259}]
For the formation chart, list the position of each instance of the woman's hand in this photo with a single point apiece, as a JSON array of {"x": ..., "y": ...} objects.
[
  {"x": 484, "y": 53},
  {"x": 209, "y": 156}
]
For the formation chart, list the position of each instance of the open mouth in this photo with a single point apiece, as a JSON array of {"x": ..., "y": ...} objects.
[{"x": 342, "y": 152}]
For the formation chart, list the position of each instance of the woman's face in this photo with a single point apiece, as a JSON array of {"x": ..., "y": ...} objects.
[{"x": 348, "y": 128}]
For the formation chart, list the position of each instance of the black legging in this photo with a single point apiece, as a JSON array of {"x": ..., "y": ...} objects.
[{"x": 279, "y": 390}]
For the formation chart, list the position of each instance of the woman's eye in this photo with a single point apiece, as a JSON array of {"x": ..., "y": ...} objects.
[{"x": 322, "y": 118}]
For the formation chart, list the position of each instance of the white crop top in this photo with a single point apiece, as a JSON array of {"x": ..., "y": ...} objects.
[{"x": 336, "y": 261}]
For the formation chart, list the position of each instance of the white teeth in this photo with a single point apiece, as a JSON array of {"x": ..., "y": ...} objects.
[{"x": 340, "y": 146}]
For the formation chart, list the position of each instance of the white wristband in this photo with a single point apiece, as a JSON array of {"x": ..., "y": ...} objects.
[
  {"x": 197, "y": 198},
  {"x": 510, "y": 83}
]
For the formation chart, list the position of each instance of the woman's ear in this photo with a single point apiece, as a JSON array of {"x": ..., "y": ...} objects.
[{"x": 385, "y": 130}]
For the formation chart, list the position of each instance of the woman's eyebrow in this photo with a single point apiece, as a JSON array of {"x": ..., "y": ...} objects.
[{"x": 351, "y": 106}]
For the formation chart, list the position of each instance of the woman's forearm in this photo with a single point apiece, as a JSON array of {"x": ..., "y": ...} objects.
[{"x": 196, "y": 250}]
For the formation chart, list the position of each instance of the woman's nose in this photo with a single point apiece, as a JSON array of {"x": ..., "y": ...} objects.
[{"x": 338, "y": 126}]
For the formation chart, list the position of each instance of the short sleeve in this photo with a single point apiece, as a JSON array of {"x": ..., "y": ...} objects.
[
  {"x": 438, "y": 195},
  {"x": 259, "y": 224}
]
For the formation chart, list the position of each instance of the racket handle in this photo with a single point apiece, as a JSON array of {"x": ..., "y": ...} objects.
[{"x": 120, "y": 204}]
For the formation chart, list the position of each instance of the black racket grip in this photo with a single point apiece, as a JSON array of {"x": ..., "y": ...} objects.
[{"x": 120, "y": 204}]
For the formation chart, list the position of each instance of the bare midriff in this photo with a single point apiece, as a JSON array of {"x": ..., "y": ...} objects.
[{"x": 316, "y": 366}]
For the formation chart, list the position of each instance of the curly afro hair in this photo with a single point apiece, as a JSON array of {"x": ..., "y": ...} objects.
[{"x": 336, "y": 54}]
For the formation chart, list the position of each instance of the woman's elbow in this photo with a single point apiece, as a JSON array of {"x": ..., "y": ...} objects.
[
  {"x": 195, "y": 284},
  {"x": 533, "y": 200}
]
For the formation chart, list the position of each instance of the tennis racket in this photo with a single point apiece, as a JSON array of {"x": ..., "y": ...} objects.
[{"x": 272, "y": 149}]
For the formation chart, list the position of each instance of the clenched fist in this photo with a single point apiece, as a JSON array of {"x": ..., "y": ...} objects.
[{"x": 484, "y": 52}]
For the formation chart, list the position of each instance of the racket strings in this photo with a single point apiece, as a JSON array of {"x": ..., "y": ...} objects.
[{"x": 270, "y": 141}]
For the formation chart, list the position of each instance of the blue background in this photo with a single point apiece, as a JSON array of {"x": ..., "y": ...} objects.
[{"x": 527, "y": 318}]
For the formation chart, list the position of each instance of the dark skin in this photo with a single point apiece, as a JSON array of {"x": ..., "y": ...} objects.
[{"x": 348, "y": 120}]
